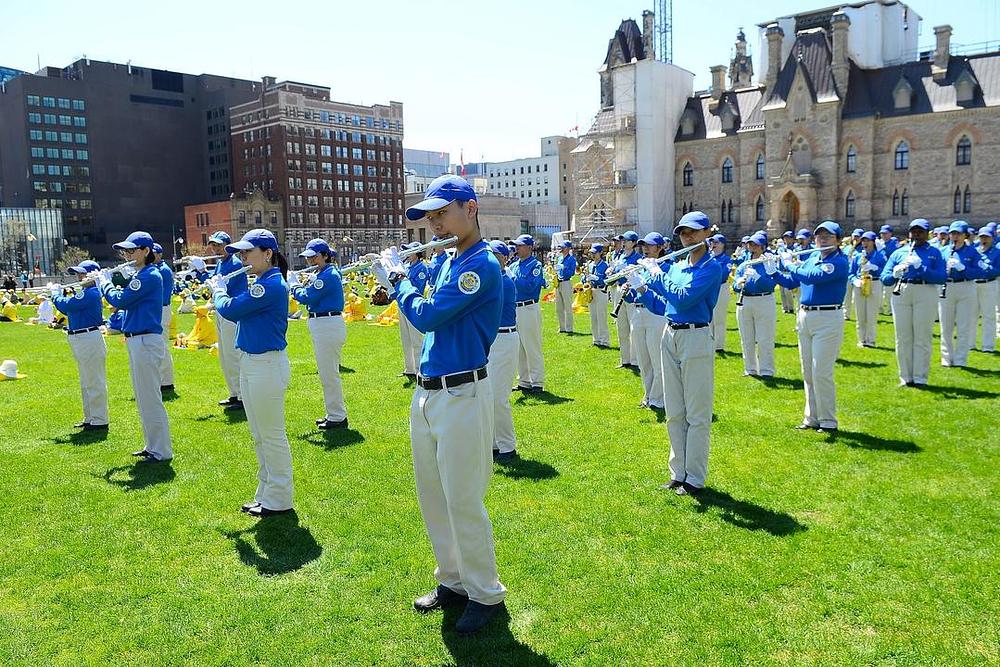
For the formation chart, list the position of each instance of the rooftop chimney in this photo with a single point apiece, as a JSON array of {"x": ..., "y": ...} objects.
[
  {"x": 268, "y": 81},
  {"x": 840, "y": 66},
  {"x": 647, "y": 34},
  {"x": 718, "y": 81},
  {"x": 941, "y": 52},
  {"x": 774, "y": 36}
]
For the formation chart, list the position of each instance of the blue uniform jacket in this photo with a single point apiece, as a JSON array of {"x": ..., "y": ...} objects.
[
  {"x": 622, "y": 262},
  {"x": 324, "y": 294},
  {"x": 566, "y": 267},
  {"x": 167, "y": 275},
  {"x": 726, "y": 262},
  {"x": 434, "y": 267},
  {"x": 141, "y": 300},
  {"x": 83, "y": 309},
  {"x": 260, "y": 313},
  {"x": 968, "y": 256},
  {"x": 508, "y": 315},
  {"x": 859, "y": 259},
  {"x": 599, "y": 271},
  {"x": 237, "y": 285},
  {"x": 528, "y": 278},
  {"x": 462, "y": 317},
  {"x": 890, "y": 246},
  {"x": 762, "y": 284},
  {"x": 417, "y": 274},
  {"x": 685, "y": 293},
  {"x": 991, "y": 258},
  {"x": 823, "y": 279},
  {"x": 931, "y": 269}
]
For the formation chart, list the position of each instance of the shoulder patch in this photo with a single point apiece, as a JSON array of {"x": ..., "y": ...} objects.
[
  {"x": 469, "y": 282},
  {"x": 79, "y": 295},
  {"x": 536, "y": 272},
  {"x": 827, "y": 268},
  {"x": 135, "y": 284},
  {"x": 257, "y": 290},
  {"x": 318, "y": 283},
  {"x": 422, "y": 276}
]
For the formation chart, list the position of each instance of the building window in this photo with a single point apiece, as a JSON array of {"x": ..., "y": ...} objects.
[
  {"x": 902, "y": 155},
  {"x": 760, "y": 167},
  {"x": 956, "y": 206},
  {"x": 243, "y": 217},
  {"x": 78, "y": 105},
  {"x": 33, "y": 100},
  {"x": 963, "y": 152},
  {"x": 727, "y": 171},
  {"x": 967, "y": 201},
  {"x": 688, "y": 175},
  {"x": 895, "y": 202},
  {"x": 904, "y": 207},
  {"x": 852, "y": 160},
  {"x": 849, "y": 205},
  {"x": 759, "y": 210}
]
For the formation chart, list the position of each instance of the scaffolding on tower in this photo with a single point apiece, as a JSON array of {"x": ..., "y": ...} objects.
[{"x": 664, "y": 30}]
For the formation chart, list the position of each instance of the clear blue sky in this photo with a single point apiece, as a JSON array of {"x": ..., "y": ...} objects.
[{"x": 487, "y": 77}]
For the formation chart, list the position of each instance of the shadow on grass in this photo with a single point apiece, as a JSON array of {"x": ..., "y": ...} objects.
[
  {"x": 139, "y": 476},
  {"x": 860, "y": 364},
  {"x": 333, "y": 438},
  {"x": 958, "y": 392},
  {"x": 775, "y": 382},
  {"x": 80, "y": 438},
  {"x": 275, "y": 544},
  {"x": 791, "y": 345},
  {"x": 522, "y": 468},
  {"x": 727, "y": 353},
  {"x": 345, "y": 369},
  {"x": 980, "y": 372},
  {"x": 745, "y": 514},
  {"x": 225, "y": 417},
  {"x": 872, "y": 442},
  {"x": 541, "y": 397},
  {"x": 493, "y": 645}
]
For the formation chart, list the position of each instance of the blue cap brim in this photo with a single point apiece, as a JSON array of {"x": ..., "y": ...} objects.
[
  {"x": 678, "y": 228},
  {"x": 308, "y": 253},
  {"x": 125, "y": 245},
  {"x": 77, "y": 269},
  {"x": 418, "y": 210},
  {"x": 239, "y": 245}
]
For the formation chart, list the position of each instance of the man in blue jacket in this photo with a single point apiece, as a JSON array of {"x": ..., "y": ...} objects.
[
  {"x": 986, "y": 287},
  {"x": 526, "y": 272},
  {"x": 565, "y": 270}
]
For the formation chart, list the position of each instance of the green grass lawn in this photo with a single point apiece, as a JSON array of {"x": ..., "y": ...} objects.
[{"x": 878, "y": 546}]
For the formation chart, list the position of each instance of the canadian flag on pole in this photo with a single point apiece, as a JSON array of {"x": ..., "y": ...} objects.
[{"x": 575, "y": 129}]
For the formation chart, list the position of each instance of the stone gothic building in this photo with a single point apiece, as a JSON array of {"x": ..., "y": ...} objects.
[{"x": 849, "y": 123}]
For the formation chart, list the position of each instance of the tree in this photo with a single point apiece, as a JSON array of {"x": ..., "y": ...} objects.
[{"x": 71, "y": 256}]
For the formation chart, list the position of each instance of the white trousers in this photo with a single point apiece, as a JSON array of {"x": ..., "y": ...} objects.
[
  {"x": 821, "y": 333},
  {"x": 530, "y": 363},
  {"x": 451, "y": 435},
  {"x": 886, "y": 298},
  {"x": 167, "y": 366},
  {"x": 599, "y": 317},
  {"x": 688, "y": 359},
  {"x": 229, "y": 356},
  {"x": 866, "y": 308},
  {"x": 647, "y": 335},
  {"x": 145, "y": 358},
  {"x": 501, "y": 368},
  {"x": 913, "y": 313},
  {"x": 957, "y": 312},
  {"x": 757, "y": 320},
  {"x": 328, "y": 336},
  {"x": 263, "y": 382},
  {"x": 90, "y": 352},
  {"x": 623, "y": 323},
  {"x": 987, "y": 295},
  {"x": 719, "y": 316},
  {"x": 848, "y": 302},
  {"x": 413, "y": 343},
  {"x": 788, "y": 298},
  {"x": 564, "y": 305}
]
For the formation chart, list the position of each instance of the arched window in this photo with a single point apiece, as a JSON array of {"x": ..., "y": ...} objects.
[
  {"x": 956, "y": 206},
  {"x": 688, "y": 175},
  {"x": 904, "y": 207},
  {"x": 849, "y": 204},
  {"x": 902, "y": 155},
  {"x": 852, "y": 159},
  {"x": 684, "y": 209},
  {"x": 759, "y": 209},
  {"x": 730, "y": 217},
  {"x": 967, "y": 201},
  {"x": 895, "y": 202},
  {"x": 727, "y": 171},
  {"x": 963, "y": 151},
  {"x": 760, "y": 166}
]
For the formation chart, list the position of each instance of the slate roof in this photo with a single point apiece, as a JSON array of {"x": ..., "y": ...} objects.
[
  {"x": 745, "y": 102},
  {"x": 810, "y": 53},
  {"x": 629, "y": 38}
]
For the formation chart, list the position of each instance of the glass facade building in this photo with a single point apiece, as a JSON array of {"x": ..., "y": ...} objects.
[{"x": 31, "y": 240}]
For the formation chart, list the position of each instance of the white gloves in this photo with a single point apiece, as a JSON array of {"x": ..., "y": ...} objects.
[
  {"x": 217, "y": 282},
  {"x": 899, "y": 270},
  {"x": 510, "y": 272},
  {"x": 954, "y": 263},
  {"x": 770, "y": 266},
  {"x": 54, "y": 289},
  {"x": 787, "y": 257},
  {"x": 750, "y": 273},
  {"x": 391, "y": 261},
  {"x": 382, "y": 276},
  {"x": 591, "y": 277},
  {"x": 984, "y": 265},
  {"x": 635, "y": 280},
  {"x": 651, "y": 265},
  {"x": 101, "y": 278},
  {"x": 868, "y": 266},
  {"x": 293, "y": 278},
  {"x": 915, "y": 261},
  {"x": 740, "y": 282},
  {"x": 856, "y": 282},
  {"x": 880, "y": 244},
  {"x": 127, "y": 271},
  {"x": 197, "y": 263}
]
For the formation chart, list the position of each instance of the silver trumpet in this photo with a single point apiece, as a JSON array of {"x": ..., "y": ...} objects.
[{"x": 371, "y": 259}]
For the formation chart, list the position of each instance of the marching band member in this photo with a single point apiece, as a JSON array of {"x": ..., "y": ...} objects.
[
  {"x": 526, "y": 272},
  {"x": 167, "y": 368},
  {"x": 229, "y": 356},
  {"x": 957, "y": 306},
  {"x": 323, "y": 297},
  {"x": 411, "y": 339},
  {"x": 755, "y": 313},
  {"x": 614, "y": 263},
  {"x": 820, "y": 325},
  {"x": 888, "y": 244},
  {"x": 913, "y": 272},
  {"x": 565, "y": 270},
  {"x": 850, "y": 247},
  {"x": 438, "y": 255},
  {"x": 599, "y": 302},
  {"x": 686, "y": 295},
  {"x": 84, "y": 311},
  {"x": 624, "y": 307},
  {"x": 647, "y": 329},
  {"x": 503, "y": 363},
  {"x": 865, "y": 268},
  {"x": 261, "y": 317},
  {"x": 717, "y": 246},
  {"x": 142, "y": 302},
  {"x": 451, "y": 414},
  {"x": 986, "y": 288}
]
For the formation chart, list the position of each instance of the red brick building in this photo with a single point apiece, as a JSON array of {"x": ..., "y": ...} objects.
[
  {"x": 337, "y": 167},
  {"x": 243, "y": 212}
]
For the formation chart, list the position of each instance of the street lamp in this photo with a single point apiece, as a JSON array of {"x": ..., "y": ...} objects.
[{"x": 30, "y": 238}]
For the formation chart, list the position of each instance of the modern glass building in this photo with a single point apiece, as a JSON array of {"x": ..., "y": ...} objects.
[{"x": 31, "y": 240}]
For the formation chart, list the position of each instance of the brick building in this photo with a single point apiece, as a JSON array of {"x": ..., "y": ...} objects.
[
  {"x": 337, "y": 167},
  {"x": 242, "y": 212}
]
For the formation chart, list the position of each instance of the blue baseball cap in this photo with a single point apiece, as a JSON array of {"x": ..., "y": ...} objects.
[
  {"x": 745, "y": 239},
  {"x": 597, "y": 247},
  {"x": 871, "y": 236},
  {"x": 442, "y": 191},
  {"x": 692, "y": 220},
  {"x": 921, "y": 223},
  {"x": 86, "y": 266},
  {"x": 524, "y": 239},
  {"x": 221, "y": 238},
  {"x": 315, "y": 247},
  {"x": 566, "y": 244},
  {"x": 653, "y": 238},
  {"x": 830, "y": 226},
  {"x": 718, "y": 238},
  {"x": 803, "y": 234},
  {"x": 942, "y": 229},
  {"x": 157, "y": 248},
  {"x": 788, "y": 233},
  {"x": 857, "y": 232},
  {"x": 959, "y": 226},
  {"x": 619, "y": 237},
  {"x": 630, "y": 236},
  {"x": 985, "y": 231},
  {"x": 255, "y": 238},
  {"x": 135, "y": 240},
  {"x": 758, "y": 238},
  {"x": 884, "y": 229},
  {"x": 500, "y": 248}
]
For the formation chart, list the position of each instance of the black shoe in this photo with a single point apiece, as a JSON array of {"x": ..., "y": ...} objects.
[
  {"x": 232, "y": 400},
  {"x": 142, "y": 453},
  {"x": 476, "y": 616},
  {"x": 520, "y": 388},
  {"x": 320, "y": 421},
  {"x": 671, "y": 485},
  {"x": 533, "y": 390},
  {"x": 686, "y": 489},
  {"x": 439, "y": 598},
  {"x": 805, "y": 427},
  {"x": 260, "y": 511},
  {"x": 826, "y": 429},
  {"x": 95, "y": 427},
  {"x": 235, "y": 405},
  {"x": 503, "y": 457},
  {"x": 166, "y": 387},
  {"x": 81, "y": 425},
  {"x": 249, "y": 506},
  {"x": 151, "y": 459},
  {"x": 326, "y": 424}
]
